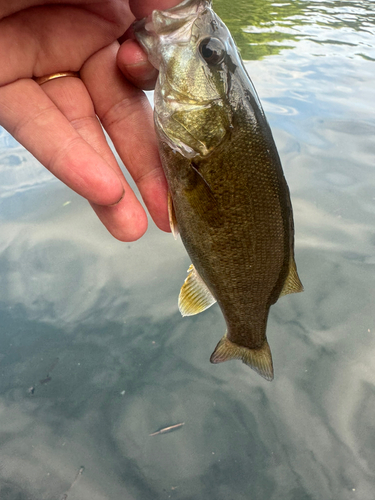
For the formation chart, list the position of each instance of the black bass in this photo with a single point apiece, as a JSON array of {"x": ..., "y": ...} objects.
[{"x": 228, "y": 196}]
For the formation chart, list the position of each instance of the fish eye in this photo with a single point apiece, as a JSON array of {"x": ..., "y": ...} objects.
[{"x": 212, "y": 50}]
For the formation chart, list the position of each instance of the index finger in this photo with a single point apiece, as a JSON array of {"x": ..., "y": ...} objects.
[{"x": 33, "y": 119}]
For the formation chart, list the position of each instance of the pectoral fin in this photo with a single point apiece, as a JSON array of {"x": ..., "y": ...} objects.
[
  {"x": 259, "y": 360},
  {"x": 172, "y": 217},
  {"x": 202, "y": 199},
  {"x": 194, "y": 296},
  {"x": 292, "y": 283}
]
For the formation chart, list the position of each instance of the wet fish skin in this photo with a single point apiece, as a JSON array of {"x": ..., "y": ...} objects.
[{"x": 229, "y": 198}]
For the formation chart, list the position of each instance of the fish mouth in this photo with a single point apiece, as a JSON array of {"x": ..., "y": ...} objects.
[
  {"x": 174, "y": 22},
  {"x": 188, "y": 7}
]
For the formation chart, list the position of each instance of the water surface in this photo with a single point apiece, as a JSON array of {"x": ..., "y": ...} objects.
[{"x": 96, "y": 320}]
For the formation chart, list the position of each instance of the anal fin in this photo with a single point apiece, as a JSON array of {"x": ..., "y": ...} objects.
[
  {"x": 259, "y": 359},
  {"x": 194, "y": 296}
]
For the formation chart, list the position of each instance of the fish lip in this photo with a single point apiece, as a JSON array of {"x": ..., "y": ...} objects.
[
  {"x": 161, "y": 27},
  {"x": 163, "y": 22},
  {"x": 184, "y": 5},
  {"x": 139, "y": 26}
]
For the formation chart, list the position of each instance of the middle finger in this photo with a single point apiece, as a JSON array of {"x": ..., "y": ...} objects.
[{"x": 126, "y": 220}]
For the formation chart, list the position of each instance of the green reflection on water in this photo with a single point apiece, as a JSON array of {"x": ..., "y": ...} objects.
[
  {"x": 243, "y": 15},
  {"x": 265, "y": 27}
]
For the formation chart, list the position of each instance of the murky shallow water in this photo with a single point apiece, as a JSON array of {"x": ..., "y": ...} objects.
[{"x": 128, "y": 364}]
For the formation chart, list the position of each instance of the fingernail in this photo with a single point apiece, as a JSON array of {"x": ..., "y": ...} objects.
[{"x": 117, "y": 202}]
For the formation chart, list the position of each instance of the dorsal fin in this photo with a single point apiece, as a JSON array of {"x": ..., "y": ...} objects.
[
  {"x": 292, "y": 283},
  {"x": 172, "y": 217},
  {"x": 194, "y": 296}
]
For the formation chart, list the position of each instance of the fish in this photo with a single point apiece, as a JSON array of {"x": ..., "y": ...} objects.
[{"x": 228, "y": 197}]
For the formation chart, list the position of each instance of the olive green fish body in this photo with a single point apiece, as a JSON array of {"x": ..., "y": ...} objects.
[
  {"x": 230, "y": 200},
  {"x": 236, "y": 228}
]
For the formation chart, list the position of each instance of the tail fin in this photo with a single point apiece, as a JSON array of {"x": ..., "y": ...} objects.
[{"x": 259, "y": 360}]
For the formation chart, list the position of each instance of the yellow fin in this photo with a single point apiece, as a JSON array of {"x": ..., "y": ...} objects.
[
  {"x": 259, "y": 360},
  {"x": 194, "y": 296},
  {"x": 172, "y": 217},
  {"x": 292, "y": 283}
]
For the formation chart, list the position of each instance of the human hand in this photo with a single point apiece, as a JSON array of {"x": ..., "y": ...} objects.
[{"x": 57, "y": 121}]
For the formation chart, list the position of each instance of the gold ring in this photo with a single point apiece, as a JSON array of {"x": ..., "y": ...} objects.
[{"x": 43, "y": 79}]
